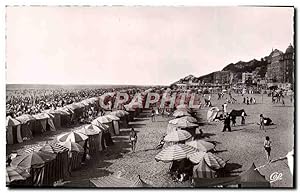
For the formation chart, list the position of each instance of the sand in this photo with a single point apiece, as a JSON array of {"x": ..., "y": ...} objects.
[{"x": 240, "y": 148}]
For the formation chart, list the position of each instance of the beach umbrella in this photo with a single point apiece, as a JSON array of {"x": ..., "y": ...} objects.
[
  {"x": 14, "y": 174},
  {"x": 104, "y": 119},
  {"x": 72, "y": 146},
  {"x": 72, "y": 136},
  {"x": 87, "y": 132},
  {"x": 119, "y": 113},
  {"x": 178, "y": 135},
  {"x": 11, "y": 121},
  {"x": 201, "y": 145},
  {"x": 210, "y": 159},
  {"x": 189, "y": 119},
  {"x": 171, "y": 128},
  {"x": 175, "y": 152},
  {"x": 202, "y": 170},
  {"x": 25, "y": 118},
  {"x": 99, "y": 125},
  {"x": 182, "y": 123},
  {"x": 180, "y": 113},
  {"x": 31, "y": 159},
  {"x": 183, "y": 107},
  {"x": 47, "y": 147},
  {"x": 112, "y": 117}
]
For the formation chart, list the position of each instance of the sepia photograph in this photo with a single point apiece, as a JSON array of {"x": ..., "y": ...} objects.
[{"x": 145, "y": 97}]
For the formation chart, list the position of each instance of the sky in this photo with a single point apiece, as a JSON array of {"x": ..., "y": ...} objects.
[{"x": 137, "y": 45}]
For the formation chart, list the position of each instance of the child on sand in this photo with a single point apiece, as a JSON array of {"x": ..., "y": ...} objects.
[
  {"x": 133, "y": 139},
  {"x": 267, "y": 146}
]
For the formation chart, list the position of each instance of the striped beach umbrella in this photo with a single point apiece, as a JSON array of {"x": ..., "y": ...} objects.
[
  {"x": 189, "y": 119},
  {"x": 210, "y": 159},
  {"x": 88, "y": 132},
  {"x": 184, "y": 107},
  {"x": 202, "y": 170},
  {"x": 104, "y": 119},
  {"x": 171, "y": 128},
  {"x": 97, "y": 125},
  {"x": 34, "y": 158},
  {"x": 179, "y": 135},
  {"x": 15, "y": 174},
  {"x": 47, "y": 147},
  {"x": 180, "y": 113},
  {"x": 201, "y": 145},
  {"x": 183, "y": 123},
  {"x": 72, "y": 136},
  {"x": 72, "y": 146},
  {"x": 175, "y": 152}
]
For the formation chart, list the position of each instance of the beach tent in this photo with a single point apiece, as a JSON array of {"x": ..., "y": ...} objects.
[
  {"x": 106, "y": 139},
  {"x": 202, "y": 170},
  {"x": 252, "y": 178},
  {"x": 56, "y": 118},
  {"x": 56, "y": 169},
  {"x": 100, "y": 130},
  {"x": 93, "y": 138},
  {"x": 123, "y": 115},
  {"x": 43, "y": 122},
  {"x": 115, "y": 122},
  {"x": 107, "y": 121},
  {"x": 36, "y": 163},
  {"x": 248, "y": 179},
  {"x": 27, "y": 124},
  {"x": 65, "y": 116},
  {"x": 76, "y": 153},
  {"x": 13, "y": 131}
]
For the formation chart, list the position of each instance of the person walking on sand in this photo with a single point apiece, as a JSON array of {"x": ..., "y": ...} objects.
[
  {"x": 133, "y": 139},
  {"x": 153, "y": 115},
  {"x": 243, "y": 118},
  {"x": 227, "y": 123},
  {"x": 261, "y": 122},
  {"x": 267, "y": 147}
]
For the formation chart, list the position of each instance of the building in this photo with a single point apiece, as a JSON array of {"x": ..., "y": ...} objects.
[
  {"x": 222, "y": 77},
  {"x": 280, "y": 67},
  {"x": 247, "y": 77}
]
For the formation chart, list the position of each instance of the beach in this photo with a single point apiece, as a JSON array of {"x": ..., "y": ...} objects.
[{"x": 239, "y": 148}]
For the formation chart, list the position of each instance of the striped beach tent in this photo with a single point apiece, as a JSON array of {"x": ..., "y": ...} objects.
[
  {"x": 210, "y": 159},
  {"x": 202, "y": 170}
]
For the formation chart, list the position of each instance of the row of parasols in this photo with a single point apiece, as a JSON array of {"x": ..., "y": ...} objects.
[
  {"x": 182, "y": 147},
  {"x": 44, "y": 164}
]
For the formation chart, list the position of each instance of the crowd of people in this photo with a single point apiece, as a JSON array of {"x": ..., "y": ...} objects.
[{"x": 33, "y": 101}]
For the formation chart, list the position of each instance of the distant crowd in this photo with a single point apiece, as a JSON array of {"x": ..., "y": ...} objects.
[{"x": 35, "y": 101}]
